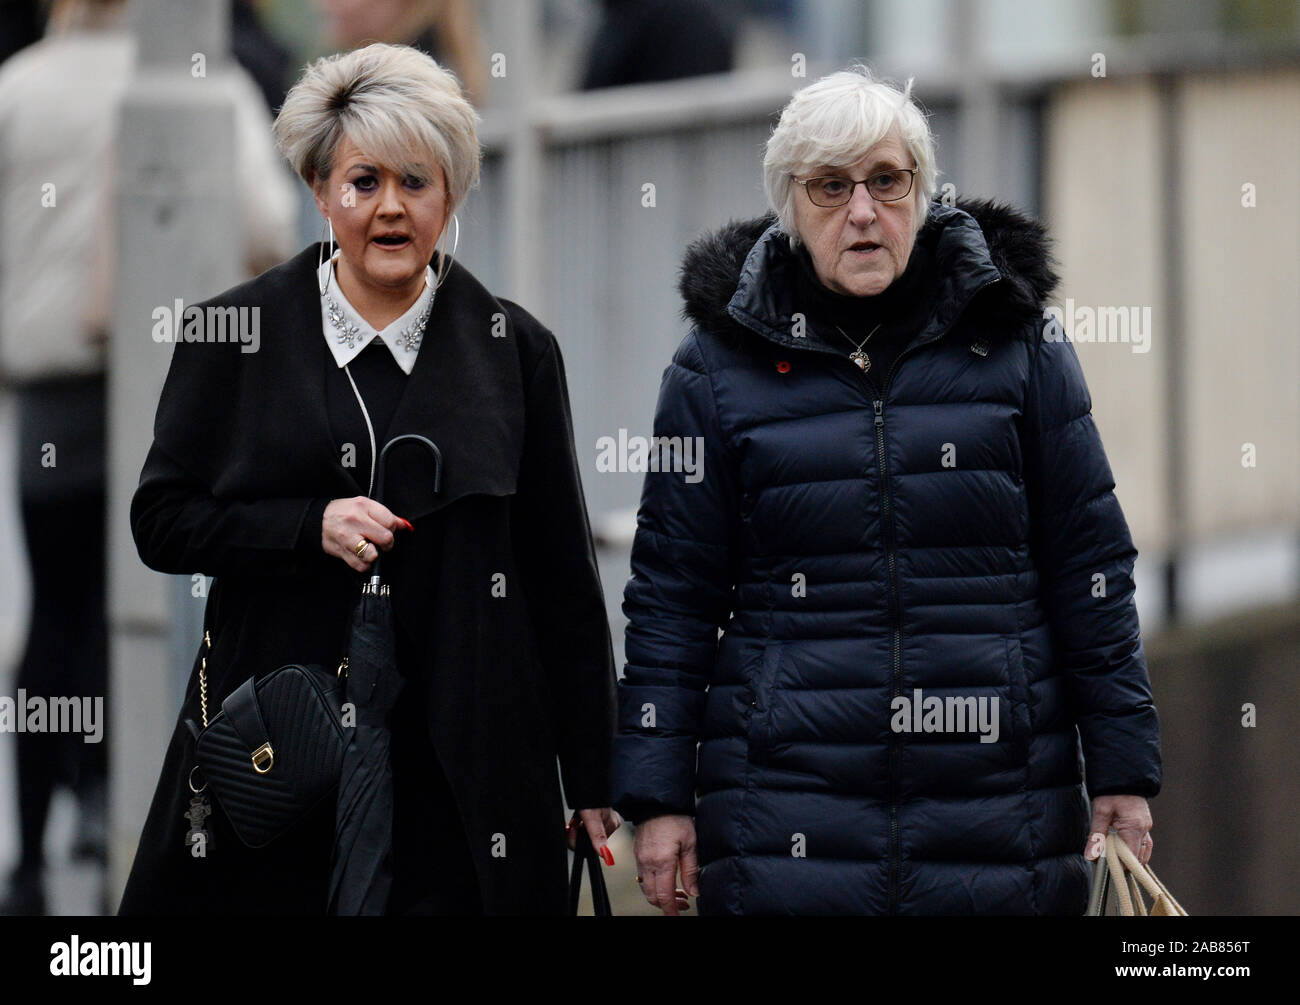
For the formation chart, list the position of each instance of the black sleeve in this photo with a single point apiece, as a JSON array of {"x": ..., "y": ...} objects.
[
  {"x": 678, "y": 597},
  {"x": 180, "y": 527},
  {"x": 553, "y": 544},
  {"x": 309, "y": 534},
  {"x": 1082, "y": 540}
]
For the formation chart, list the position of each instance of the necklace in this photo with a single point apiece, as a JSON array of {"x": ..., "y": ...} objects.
[{"x": 858, "y": 356}]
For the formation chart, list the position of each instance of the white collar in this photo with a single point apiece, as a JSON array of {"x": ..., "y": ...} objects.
[{"x": 347, "y": 333}]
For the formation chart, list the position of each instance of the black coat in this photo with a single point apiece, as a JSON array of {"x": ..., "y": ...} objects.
[
  {"x": 940, "y": 527},
  {"x": 242, "y": 445}
]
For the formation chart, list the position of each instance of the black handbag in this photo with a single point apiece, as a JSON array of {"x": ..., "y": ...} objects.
[
  {"x": 585, "y": 855},
  {"x": 274, "y": 751}
]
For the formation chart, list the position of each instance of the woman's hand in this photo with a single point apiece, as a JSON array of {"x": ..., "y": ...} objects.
[
  {"x": 346, "y": 521},
  {"x": 1131, "y": 818},
  {"x": 664, "y": 845},
  {"x": 599, "y": 824}
]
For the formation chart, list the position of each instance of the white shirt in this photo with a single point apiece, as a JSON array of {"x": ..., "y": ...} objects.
[{"x": 347, "y": 333}]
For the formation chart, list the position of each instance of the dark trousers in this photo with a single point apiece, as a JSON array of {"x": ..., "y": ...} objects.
[{"x": 66, "y": 654}]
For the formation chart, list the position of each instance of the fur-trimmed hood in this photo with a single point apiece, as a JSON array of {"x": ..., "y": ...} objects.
[{"x": 741, "y": 274}]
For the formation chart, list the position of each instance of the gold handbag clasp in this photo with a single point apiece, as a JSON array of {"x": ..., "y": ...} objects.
[{"x": 263, "y": 759}]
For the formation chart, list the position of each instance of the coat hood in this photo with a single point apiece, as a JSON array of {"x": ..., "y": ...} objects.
[{"x": 741, "y": 274}]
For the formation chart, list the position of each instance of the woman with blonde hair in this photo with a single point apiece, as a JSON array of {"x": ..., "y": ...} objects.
[{"x": 262, "y": 474}]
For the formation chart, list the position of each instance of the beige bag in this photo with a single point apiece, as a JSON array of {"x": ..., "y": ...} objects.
[{"x": 1129, "y": 877}]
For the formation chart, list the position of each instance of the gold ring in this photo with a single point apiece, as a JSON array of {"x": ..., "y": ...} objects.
[{"x": 360, "y": 549}]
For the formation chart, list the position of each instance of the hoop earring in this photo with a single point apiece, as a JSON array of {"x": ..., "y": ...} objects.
[
  {"x": 321, "y": 259},
  {"x": 445, "y": 257}
]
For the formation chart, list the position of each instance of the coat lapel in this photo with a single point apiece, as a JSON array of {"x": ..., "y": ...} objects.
[
  {"x": 315, "y": 363},
  {"x": 466, "y": 395}
]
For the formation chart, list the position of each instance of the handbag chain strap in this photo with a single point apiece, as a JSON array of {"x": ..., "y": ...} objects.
[
  {"x": 203, "y": 676},
  {"x": 341, "y": 673}
]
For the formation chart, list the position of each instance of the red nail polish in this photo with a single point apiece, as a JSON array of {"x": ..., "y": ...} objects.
[
  {"x": 607, "y": 855},
  {"x": 406, "y": 524}
]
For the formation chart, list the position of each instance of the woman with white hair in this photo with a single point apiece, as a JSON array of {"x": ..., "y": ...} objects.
[
  {"x": 904, "y": 519},
  {"x": 262, "y": 473}
]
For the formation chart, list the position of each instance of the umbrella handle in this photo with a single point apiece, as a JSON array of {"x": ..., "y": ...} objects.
[
  {"x": 373, "y": 581},
  {"x": 379, "y": 465}
]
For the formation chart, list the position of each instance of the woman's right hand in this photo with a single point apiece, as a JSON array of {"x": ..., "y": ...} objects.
[
  {"x": 346, "y": 521},
  {"x": 664, "y": 845}
]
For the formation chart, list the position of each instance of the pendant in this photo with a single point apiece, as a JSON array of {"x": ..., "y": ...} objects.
[
  {"x": 862, "y": 359},
  {"x": 198, "y": 840}
]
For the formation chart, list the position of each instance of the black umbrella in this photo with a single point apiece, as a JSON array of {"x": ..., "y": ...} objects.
[{"x": 361, "y": 874}]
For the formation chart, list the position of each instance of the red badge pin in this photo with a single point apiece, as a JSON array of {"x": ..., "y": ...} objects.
[{"x": 783, "y": 366}]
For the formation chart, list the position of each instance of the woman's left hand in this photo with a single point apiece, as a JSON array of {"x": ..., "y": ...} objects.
[
  {"x": 600, "y": 824},
  {"x": 1131, "y": 818}
]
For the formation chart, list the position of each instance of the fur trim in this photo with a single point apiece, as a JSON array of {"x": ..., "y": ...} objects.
[
  {"x": 1018, "y": 246},
  {"x": 711, "y": 270}
]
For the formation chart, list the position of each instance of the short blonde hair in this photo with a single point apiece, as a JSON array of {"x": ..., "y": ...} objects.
[
  {"x": 393, "y": 101},
  {"x": 834, "y": 122}
]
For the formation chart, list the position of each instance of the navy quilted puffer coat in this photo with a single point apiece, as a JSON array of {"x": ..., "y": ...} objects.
[{"x": 947, "y": 530}]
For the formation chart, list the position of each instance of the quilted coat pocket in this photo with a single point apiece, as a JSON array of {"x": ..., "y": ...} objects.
[
  {"x": 1018, "y": 681},
  {"x": 763, "y": 688}
]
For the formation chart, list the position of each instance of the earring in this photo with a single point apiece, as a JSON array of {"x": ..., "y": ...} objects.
[
  {"x": 455, "y": 243},
  {"x": 321, "y": 259}
]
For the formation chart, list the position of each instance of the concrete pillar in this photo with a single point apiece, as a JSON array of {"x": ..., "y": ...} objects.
[
  {"x": 523, "y": 161},
  {"x": 178, "y": 235},
  {"x": 979, "y": 106}
]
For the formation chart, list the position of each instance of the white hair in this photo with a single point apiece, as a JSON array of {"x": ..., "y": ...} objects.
[
  {"x": 834, "y": 122},
  {"x": 394, "y": 102}
]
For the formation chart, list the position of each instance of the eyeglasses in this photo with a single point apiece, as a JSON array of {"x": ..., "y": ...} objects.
[{"x": 831, "y": 191}]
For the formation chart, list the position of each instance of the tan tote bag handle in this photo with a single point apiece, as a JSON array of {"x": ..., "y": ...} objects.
[{"x": 1129, "y": 878}]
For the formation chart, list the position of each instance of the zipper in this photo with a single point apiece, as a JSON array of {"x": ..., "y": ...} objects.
[
  {"x": 895, "y": 595},
  {"x": 370, "y": 430},
  {"x": 896, "y": 616},
  {"x": 896, "y": 669},
  {"x": 887, "y": 522}
]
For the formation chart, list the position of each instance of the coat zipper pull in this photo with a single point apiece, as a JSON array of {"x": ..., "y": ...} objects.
[{"x": 880, "y": 410}]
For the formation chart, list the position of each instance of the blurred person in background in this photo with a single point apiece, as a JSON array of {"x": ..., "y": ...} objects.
[
  {"x": 904, "y": 502},
  {"x": 267, "y": 60},
  {"x": 22, "y": 22},
  {"x": 448, "y": 30},
  {"x": 644, "y": 41},
  {"x": 58, "y": 113},
  {"x": 262, "y": 474}
]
